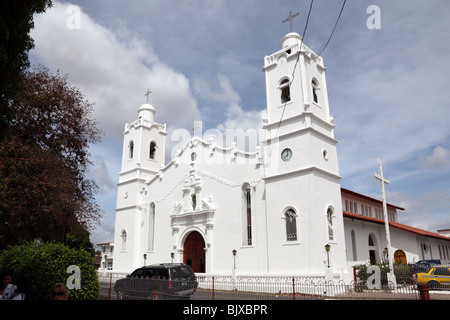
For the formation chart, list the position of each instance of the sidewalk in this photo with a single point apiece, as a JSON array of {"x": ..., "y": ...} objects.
[{"x": 439, "y": 295}]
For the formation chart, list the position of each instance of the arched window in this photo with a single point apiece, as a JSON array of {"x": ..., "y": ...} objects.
[
  {"x": 330, "y": 224},
  {"x": 124, "y": 240},
  {"x": 373, "y": 248},
  {"x": 247, "y": 214},
  {"x": 130, "y": 149},
  {"x": 152, "y": 150},
  {"x": 285, "y": 91},
  {"x": 151, "y": 227},
  {"x": 291, "y": 224},
  {"x": 194, "y": 201},
  {"x": 355, "y": 256},
  {"x": 315, "y": 88}
]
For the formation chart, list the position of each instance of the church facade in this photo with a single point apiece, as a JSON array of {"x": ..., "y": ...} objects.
[{"x": 270, "y": 211}]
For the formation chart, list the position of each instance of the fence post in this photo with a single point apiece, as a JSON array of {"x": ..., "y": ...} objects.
[
  {"x": 423, "y": 290},
  {"x": 212, "y": 287},
  {"x": 293, "y": 288},
  {"x": 110, "y": 279},
  {"x": 154, "y": 288}
]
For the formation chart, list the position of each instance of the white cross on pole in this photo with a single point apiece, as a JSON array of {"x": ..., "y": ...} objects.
[
  {"x": 383, "y": 180},
  {"x": 290, "y": 18},
  {"x": 147, "y": 94}
]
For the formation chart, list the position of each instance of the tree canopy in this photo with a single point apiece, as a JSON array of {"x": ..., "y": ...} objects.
[
  {"x": 16, "y": 21},
  {"x": 44, "y": 190}
]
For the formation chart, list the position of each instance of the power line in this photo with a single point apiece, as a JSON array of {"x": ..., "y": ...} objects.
[
  {"x": 335, "y": 25},
  {"x": 301, "y": 43}
]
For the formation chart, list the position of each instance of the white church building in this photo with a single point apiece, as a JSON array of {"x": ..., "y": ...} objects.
[{"x": 270, "y": 211}]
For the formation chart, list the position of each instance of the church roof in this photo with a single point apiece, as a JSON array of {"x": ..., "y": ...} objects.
[
  {"x": 359, "y": 195},
  {"x": 396, "y": 225}
]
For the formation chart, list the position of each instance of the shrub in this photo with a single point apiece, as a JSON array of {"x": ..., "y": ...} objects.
[{"x": 36, "y": 267}]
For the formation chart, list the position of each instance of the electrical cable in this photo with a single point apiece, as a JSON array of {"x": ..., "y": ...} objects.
[{"x": 335, "y": 25}]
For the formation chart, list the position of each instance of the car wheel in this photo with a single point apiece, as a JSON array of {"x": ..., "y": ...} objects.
[
  {"x": 434, "y": 285},
  {"x": 120, "y": 295},
  {"x": 157, "y": 297}
]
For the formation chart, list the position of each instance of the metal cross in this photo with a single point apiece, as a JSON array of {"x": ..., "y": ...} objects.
[
  {"x": 386, "y": 220},
  {"x": 290, "y": 18},
  {"x": 147, "y": 94}
]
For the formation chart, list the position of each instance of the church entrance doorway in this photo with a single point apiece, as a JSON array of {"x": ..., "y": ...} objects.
[
  {"x": 400, "y": 257},
  {"x": 194, "y": 252}
]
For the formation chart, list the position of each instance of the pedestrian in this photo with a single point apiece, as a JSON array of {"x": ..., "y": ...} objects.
[
  {"x": 59, "y": 292},
  {"x": 8, "y": 290}
]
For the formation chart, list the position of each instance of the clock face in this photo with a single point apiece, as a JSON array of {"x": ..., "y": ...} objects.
[{"x": 286, "y": 154}]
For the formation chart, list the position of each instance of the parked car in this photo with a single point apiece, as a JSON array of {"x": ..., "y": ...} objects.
[
  {"x": 424, "y": 265},
  {"x": 438, "y": 277},
  {"x": 429, "y": 262},
  {"x": 158, "y": 281}
]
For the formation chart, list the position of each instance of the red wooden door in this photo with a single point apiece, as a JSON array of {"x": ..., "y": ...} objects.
[{"x": 194, "y": 252}]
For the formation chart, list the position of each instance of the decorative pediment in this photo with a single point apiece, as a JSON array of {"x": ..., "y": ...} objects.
[
  {"x": 203, "y": 215},
  {"x": 193, "y": 181}
]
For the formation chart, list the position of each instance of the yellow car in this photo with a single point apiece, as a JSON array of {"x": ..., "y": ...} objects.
[{"x": 437, "y": 277}]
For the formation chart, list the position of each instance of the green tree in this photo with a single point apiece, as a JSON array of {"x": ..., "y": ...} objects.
[
  {"x": 36, "y": 266},
  {"x": 44, "y": 190}
]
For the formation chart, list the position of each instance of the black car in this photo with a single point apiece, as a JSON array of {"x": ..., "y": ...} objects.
[{"x": 158, "y": 281}]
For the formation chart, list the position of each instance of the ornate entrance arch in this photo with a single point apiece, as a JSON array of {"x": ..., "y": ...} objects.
[{"x": 194, "y": 251}]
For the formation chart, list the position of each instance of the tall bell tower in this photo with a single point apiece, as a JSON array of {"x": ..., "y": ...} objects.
[{"x": 301, "y": 175}]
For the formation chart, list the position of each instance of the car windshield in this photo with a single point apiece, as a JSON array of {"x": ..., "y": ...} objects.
[
  {"x": 181, "y": 272},
  {"x": 138, "y": 273}
]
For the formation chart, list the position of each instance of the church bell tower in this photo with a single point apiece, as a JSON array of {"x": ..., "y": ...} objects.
[
  {"x": 301, "y": 175},
  {"x": 142, "y": 157}
]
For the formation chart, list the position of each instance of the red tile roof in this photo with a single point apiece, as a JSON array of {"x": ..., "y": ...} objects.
[
  {"x": 359, "y": 195},
  {"x": 396, "y": 225}
]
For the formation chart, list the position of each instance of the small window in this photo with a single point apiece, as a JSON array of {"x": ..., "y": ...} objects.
[
  {"x": 194, "y": 201},
  {"x": 330, "y": 224},
  {"x": 124, "y": 240},
  {"x": 247, "y": 215},
  {"x": 152, "y": 150},
  {"x": 285, "y": 91},
  {"x": 315, "y": 88},
  {"x": 371, "y": 242},
  {"x": 130, "y": 149}
]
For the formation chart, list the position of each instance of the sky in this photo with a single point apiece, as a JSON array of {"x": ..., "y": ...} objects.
[{"x": 387, "y": 79}]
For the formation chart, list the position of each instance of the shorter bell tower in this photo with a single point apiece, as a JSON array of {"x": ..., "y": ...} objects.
[
  {"x": 143, "y": 156},
  {"x": 143, "y": 146}
]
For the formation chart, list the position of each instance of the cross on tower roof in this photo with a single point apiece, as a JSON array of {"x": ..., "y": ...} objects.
[
  {"x": 290, "y": 18},
  {"x": 147, "y": 94}
]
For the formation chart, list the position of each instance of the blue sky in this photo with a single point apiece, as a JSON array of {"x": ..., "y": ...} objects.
[{"x": 388, "y": 88}]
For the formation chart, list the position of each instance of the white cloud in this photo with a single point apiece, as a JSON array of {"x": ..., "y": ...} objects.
[
  {"x": 112, "y": 73},
  {"x": 226, "y": 94},
  {"x": 438, "y": 160},
  {"x": 427, "y": 211}
]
